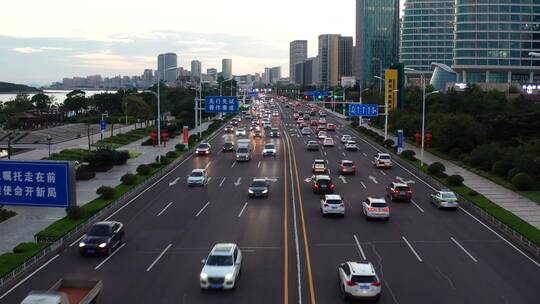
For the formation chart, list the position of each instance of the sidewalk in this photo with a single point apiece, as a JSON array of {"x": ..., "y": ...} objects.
[
  {"x": 30, "y": 220},
  {"x": 522, "y": 207}
]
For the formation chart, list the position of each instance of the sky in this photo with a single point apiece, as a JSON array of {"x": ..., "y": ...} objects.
[{"x": 44, "y": 41}]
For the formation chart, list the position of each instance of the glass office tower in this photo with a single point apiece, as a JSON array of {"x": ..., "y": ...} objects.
[
  {"x": 427, "y": 34},
  {"x": 493, "y": 39}
]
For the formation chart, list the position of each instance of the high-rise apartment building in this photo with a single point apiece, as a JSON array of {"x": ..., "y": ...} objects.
[
  {"x": 275, "y": 74},
  {"x": 298, "y": 73},
  {"x": 329, "y": 59},
  {"x": 345, "y": 57},
  {"x": 196, "y": 69},
  {"x": 377, "y": 38},
  {"x": 167, "y": 65},
  {"x": 297, "y": 53},
  {"x": 427, "y": 34},
  {"x": 226, "y": 69},
  {"x": 493, "y": 40},
  {"x": 148, "y": 75},
  {"x": 212, "y": 74}
]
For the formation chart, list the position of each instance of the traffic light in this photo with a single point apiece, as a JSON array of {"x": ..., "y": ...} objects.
[{"x": 391, "y": 89}]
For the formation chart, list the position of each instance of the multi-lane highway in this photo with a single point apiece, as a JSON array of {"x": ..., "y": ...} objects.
[{"x": 291, "y": 253}]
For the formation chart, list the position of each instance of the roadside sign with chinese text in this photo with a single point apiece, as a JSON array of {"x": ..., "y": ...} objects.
[
  {"x": 221, "y": 104},
  {"x": 368, "y": 110},
  {"x": 37, "y": 183}
]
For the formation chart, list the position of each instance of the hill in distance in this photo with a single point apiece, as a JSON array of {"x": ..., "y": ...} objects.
[{"x": 6, "y": 87}]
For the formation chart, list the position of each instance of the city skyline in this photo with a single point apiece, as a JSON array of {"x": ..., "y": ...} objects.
[{"x": 89, "y": 46}]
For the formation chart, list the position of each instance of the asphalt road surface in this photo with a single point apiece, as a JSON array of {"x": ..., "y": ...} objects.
[{"x": 291, "y": 253}]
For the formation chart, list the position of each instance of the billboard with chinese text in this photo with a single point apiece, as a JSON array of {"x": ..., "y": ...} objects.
[{"x": 37, "y": 183}]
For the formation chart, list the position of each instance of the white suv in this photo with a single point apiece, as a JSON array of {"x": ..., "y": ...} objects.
[
  {"x": 376, "y": 208},
  {"x": 332, "y": 204},
  {"x": 222, "y": 267},
  {"x": 359, "y": 280},
  {"x": 382, "y": 160}
]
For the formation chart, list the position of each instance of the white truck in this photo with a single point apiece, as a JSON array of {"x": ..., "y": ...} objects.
[
  {"x": 67, "y": 291},
  {"x": 243, "y": 150}
]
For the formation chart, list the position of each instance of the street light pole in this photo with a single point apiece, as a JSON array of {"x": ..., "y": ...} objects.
[
  {"x": 385, "y": 109},
  {"x": 49, "y": 138},
  {"x": 360, "y": 117}
]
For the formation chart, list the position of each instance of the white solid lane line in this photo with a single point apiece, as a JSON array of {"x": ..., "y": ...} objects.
[
  {"x": 465, "y": 250},
  {"x": 419, "y": 208},
  {"x": 360, "y": 248},
  {"x": 208, "y": 165},
  {"x": 166, "y": 207},
  {"x": 76, "y": 241},
  {"x": 412, "y": 249},
  {"x": 243, "y": 208},
  {"x": 29, "y": 276},
  {"x": 109, "y": 257},
  {"x": 158, "y": 258},
  {"x": 202, "y": 209},
  {"x": 222, "y": 181}
]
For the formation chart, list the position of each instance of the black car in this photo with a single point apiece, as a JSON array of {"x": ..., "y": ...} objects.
[
  {"x": 312, "y": 145},
  {"x": 228, "y": 147},
  {"x": 258, "y": 188},
  {"x": 322, "y": 184},
  {"x": 102, "y": 238},
  {"x": 274, "y": 132}
]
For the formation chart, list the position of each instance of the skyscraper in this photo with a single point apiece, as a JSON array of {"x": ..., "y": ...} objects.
[
  {"x": 275, "y": 74},
  {"x": 148, "y": 75},
  {"x": 226, "y": 69},
  {"x": 345, "y": 57},
  {"x": 212, "y": 73},
  {"x": 493, "y": 40},
  {"x": 377, "y": 38},
  {"x": 196, "y": 69},
  {"x": 427, "y": 34},
  {"x": 329, "y": 59},
  {"x": 297, "y": 53},
  {"x": 167, "y": 64}
]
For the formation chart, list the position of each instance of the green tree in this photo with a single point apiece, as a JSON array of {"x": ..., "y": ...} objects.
[
  {"x": 41, "y": 101},
  {"x": 137, "y": 107},
  {"x": 76, "y": 101}
]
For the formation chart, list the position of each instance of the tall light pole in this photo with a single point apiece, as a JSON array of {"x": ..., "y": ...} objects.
[
  {"x": 361, "y": 91},
  {"x": 380, "y": 73},
  {"x": 534, "y": 54},
  {"x": 385, "y": 109}
]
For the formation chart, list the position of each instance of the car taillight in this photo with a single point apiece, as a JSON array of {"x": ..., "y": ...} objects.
[
  {"x": 409, "y": 192},
  {"x": 351, "y": 283},
  {"x": 376, "y": 283},
  {"x": 354, "y": 167},
  {"x": 396, "y": 191},
  {"x": 332, "y": 186},
  {"x": 370, "y": 209},
  {"x": 317, "y": 186},
  {"x": 386, "y": 209}
]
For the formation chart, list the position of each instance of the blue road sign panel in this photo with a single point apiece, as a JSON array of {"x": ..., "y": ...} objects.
[
  {"x": 253, "y": 94},
  {"x": 37, "y": 183},
  {"x": 103, "y": 125},
  {"x": 316, "y": 93},
  {"x": 221, "y": 104},
  {"x": 368, "y": 110},
  {"x": 400, "y": 140}
]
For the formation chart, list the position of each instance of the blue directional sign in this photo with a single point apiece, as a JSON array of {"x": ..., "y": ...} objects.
[
  {"x": 253, "y": 94},
  {"x": 400, "y": 140},
  {"x": 37, "y": 183},
  {"x": 103, "y": 125},
  {"x": 317, "y": 93},
  {"x": 368, "y": 110},
  {"x": 221, "y": 104}
]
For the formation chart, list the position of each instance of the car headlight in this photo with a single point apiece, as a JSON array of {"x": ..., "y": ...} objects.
[
  {"x": 204, "y": 276},
  {"x": 265, "y": 191},
  {"x": 102, "y": 245},
  {"x": 82, "y": 244},
  {"x": 250, "y": 191},
  {"x": 229, "y": 277}
]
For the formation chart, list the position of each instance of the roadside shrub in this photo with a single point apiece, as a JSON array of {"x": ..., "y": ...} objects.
[
  {"x": 23, "y": 247},
  {"x": 143, "y": 170},
  {"x": 440, "y": 175},
  {"x": 379, "y": 139},
  {"x": 84, "y": 173},
  {"x": 455, "y": 180},
  {"x": 408, "y": 154},
  {"x": 104, "y": 159},
  {"x": 106, "y": 192},
  {"x": 148, "y": 142},
  {"x": 129, "y": 179},
  {"x": 75, "y": 213},
  {"x": 362, "y": 129},
  {"x": 473, "y": 193},
  {"x": 501, "y": 167},
  {"x": 180, "y": 147},
  {"x": 193, "y": 139},
  {"x": 155, "y": 165},
  {"x": 389, "y": 143},
  {"x": 455, "y": 153},
  {"x": 436, "y": 168},
  {"x": 511, "y": 173},
  {"x": 354, "y": 124},
  {"x": 121, "y": 157},
  {"x": 164, "y": 160},
  {"x": 171, "y": 154},
  {"x": 522, "y": 181}
]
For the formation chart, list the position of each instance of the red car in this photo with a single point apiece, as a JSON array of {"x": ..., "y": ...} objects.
[
  {"x": 399, "y": 191},
  {"x": 347, "y": 167},
  {"x": 322, "y": 184},
  {"x": 314, "y": 123},
  {"x": 330, "y": 127}
]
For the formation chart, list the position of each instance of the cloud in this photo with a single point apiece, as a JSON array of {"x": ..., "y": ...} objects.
[
  {"x": 107, "y": 60},
  {"x": 27, "y": 50},
  {"x": 54, "y": 48}
]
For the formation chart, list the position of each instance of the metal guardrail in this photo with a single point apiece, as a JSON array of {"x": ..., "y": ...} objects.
[
  {"x": 56, "y": 244},
  {"x": 464, "y": 202}
]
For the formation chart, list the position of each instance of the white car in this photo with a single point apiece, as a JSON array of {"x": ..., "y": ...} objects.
[
  {"x": 306, "y": 131},
  {"x": 269, "y": 150},
  {"x": 321, "y": 135},
  {"x": 332, "y": 204},
  {"x": 376, "y": 208},
  {"x": 359, "y": 280},
  {"x": 222, "y": 267},
  {"x": 383, "y": 160},
  {"x": 345, "y": 138},
  {"x": 198, "y": 177},
  {"x": 328, "y": 142},
  {"x": 351, "y": 146},
  {"x": 241, "y": 132},
  {"x": 203, "y": 149}
]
